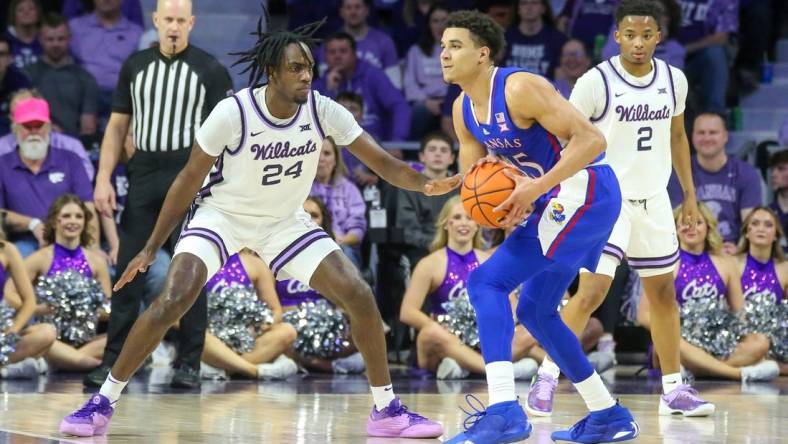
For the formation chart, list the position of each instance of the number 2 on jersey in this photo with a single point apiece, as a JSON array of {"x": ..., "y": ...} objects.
[
  {"x": 270, "y": 172},
  {"x": 644, "y": 140}
]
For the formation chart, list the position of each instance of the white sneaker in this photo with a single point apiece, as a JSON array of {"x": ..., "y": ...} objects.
[
  {"x": 525, "y": 368},
  {"x": 450, "y": 369},
  {"x": 602, "y": 360},
  {"x": 212, "y": 373},
  {"x": 765, "y": 370},
  {"x": 282, "y": 368},
  {"x": 351, "y": 364},
  {"x": 24, "y": 369},
  {"x": 42, "y": 365},
  {"x": 164, "y": 355}
]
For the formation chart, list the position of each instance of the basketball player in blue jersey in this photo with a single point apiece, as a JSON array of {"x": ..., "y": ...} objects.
[
  {"x": 261, "y": 147},
  {"x": 637, "y": 101},
  {"x": 516, "y": 117}
]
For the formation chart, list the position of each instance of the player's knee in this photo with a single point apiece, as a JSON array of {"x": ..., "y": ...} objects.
[
  {"x": 527, "y": 316},
  {"x": 478, "y": 285}
]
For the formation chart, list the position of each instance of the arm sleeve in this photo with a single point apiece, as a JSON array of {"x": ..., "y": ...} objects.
[
  {"x": 213, "y": 135},
  {"x": 407, "y": 218},
  {"x": 586, "y": 95},
  {"x": 121, "y": 100},
  {"x": 413, "y": 93},
  {"x": 356, "y": 221},
  {"x": 81, "y": 185},
  {"x": 397, "y": 108},
  {"x": 680, "y": 89},
  {"x": 336, "y": 121},
  {"x": 750, "y": 191},
  {"x": 219, "y": 86}
]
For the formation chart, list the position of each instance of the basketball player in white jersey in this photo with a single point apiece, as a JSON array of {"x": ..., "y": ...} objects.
[
  {"x": 261, "y": 147},
  {"x": 637, "y": 101}
]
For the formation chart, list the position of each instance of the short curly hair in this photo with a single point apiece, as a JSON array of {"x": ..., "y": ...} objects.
[
  {"x": 484, "y": 30},
  {"x": 646, "y": 8}
]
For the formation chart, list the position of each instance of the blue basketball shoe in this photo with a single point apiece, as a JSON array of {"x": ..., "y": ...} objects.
[
  {"x": 499, "y": 423},
  {"x": 613, "y": 424}
]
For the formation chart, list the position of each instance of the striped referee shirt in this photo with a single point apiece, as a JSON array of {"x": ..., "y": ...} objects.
[{"x": 168, "y": 99}]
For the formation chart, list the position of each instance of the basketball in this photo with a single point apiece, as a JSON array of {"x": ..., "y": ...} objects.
[{"x": 483, "y": 189}]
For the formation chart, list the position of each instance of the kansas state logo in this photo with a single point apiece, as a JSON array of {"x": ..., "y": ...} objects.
[{"x": 557, "y": 213}]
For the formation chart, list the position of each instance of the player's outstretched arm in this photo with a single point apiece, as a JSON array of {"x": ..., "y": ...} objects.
[
  {"x": 531, "y": 97},
  {"x": 395, "y": 171},
  {"x": 179, "y": 197}
]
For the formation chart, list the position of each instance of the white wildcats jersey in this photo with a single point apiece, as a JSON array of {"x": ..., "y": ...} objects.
[
  {"x": 636, "y": 124},
  {"x": 270, "y": 172}
]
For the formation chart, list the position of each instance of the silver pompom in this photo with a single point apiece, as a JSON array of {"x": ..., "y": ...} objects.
[
  {"x": 763, "y": 315},
  {"x": 323, "y": 330},
  {"x": 75, "y": 299},
  {"x": 7, "y": 341},
  {"x": 709, "y": 324},
  {"x": 460, "y": 319},
  {"x": 237, "y": 317}
]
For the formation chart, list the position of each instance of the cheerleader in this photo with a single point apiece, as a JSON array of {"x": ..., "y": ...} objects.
[
  {"x": 66, "y": 235},
  {"x": 28, "y": 342},
  {"x": 316, "y": 318},
  {"x": 265, "y": 359},
  {"x": 439, "y": 278},
  {"x": 764, "y": 277},
  {"x": 705, "y": 275}
]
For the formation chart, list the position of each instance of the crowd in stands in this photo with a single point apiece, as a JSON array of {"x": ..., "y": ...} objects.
[{"x": 60, "y": 63}]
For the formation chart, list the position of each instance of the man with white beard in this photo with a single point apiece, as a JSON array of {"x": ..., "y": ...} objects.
[{"x": 35, "y": 174}]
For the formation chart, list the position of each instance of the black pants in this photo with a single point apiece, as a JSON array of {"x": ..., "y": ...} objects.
[{"x": 150, "y": 176}]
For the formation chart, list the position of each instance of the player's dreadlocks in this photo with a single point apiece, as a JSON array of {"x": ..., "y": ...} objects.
[{"x": 266, "y": 55}]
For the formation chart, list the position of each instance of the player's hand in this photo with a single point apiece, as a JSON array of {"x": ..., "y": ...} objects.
[
  {"x": 436, "y": 187},
  {"x": 526, "y": 191},
  {"x": 487, "y": 159},
  {"x": 104, "y": 198},
  {"x": 139, "y": 264},
  {"x": 690, "y": 215}
]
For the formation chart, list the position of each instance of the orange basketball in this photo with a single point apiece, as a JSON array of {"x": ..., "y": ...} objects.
[{"x": 483, "y": 189}]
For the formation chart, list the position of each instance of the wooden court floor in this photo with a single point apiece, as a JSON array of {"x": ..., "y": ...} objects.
[{"x": 330, "y": 409}]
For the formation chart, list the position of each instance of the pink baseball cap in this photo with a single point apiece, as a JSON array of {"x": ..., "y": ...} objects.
[{"x": 31, "y": 110}]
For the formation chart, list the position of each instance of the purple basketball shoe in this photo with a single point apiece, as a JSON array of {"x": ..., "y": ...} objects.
[
  {"x": 90, "y": 420},
  {"x": 395, "y": 421}
]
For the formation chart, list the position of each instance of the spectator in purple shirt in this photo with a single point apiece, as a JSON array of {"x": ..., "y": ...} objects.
[
  {"x": 101, "y": 42},
  {"x": 56, "y": 139},
  {"x": 729, "y": 186},
  {"x": 669, "y": 48},
  {"x": 24, "y": 17},
  {"x": 386, "y": 112},
  {"x": 705, "y": 31},
  {"x": 574, "y": 63},
  {"x": 11, "y": 81},
  {"x": 425, "y": 88},
  {"x": 343, "y": 199},
  {"x": 34, "y": 175},
  {"x": 778, "y": 169},
  {"x": 372, "y": 45},
  {"x": 132, "y": 10},
  {"x": 358, "y": 172},
  {"x": 534, "y": 43},
  {"x": 585, "y": 20}
]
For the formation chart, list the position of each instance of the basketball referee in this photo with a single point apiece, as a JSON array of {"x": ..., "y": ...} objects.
[{"x": 164, "y": 93}]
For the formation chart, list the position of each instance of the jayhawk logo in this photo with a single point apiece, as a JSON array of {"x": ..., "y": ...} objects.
[{"x": 557, "y": 213}]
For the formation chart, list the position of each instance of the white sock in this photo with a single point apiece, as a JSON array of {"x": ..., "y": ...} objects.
[
  {"x": 595, "y": 393},
  {"x": 548, "y": 367},
  {"x": 500, "y": 382},
  {"x": 671, "y": 382},
  {"x": 383, "y": 396},
  {"x": 112, "y": 388}
]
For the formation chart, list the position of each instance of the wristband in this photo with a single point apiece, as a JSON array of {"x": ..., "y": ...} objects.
[{"x": 34, "y": 222}]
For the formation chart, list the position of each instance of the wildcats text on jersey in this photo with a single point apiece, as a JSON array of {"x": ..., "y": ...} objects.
[
  {"x": 281, "y": 150},
  {"x": 641, "y": 113}
]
